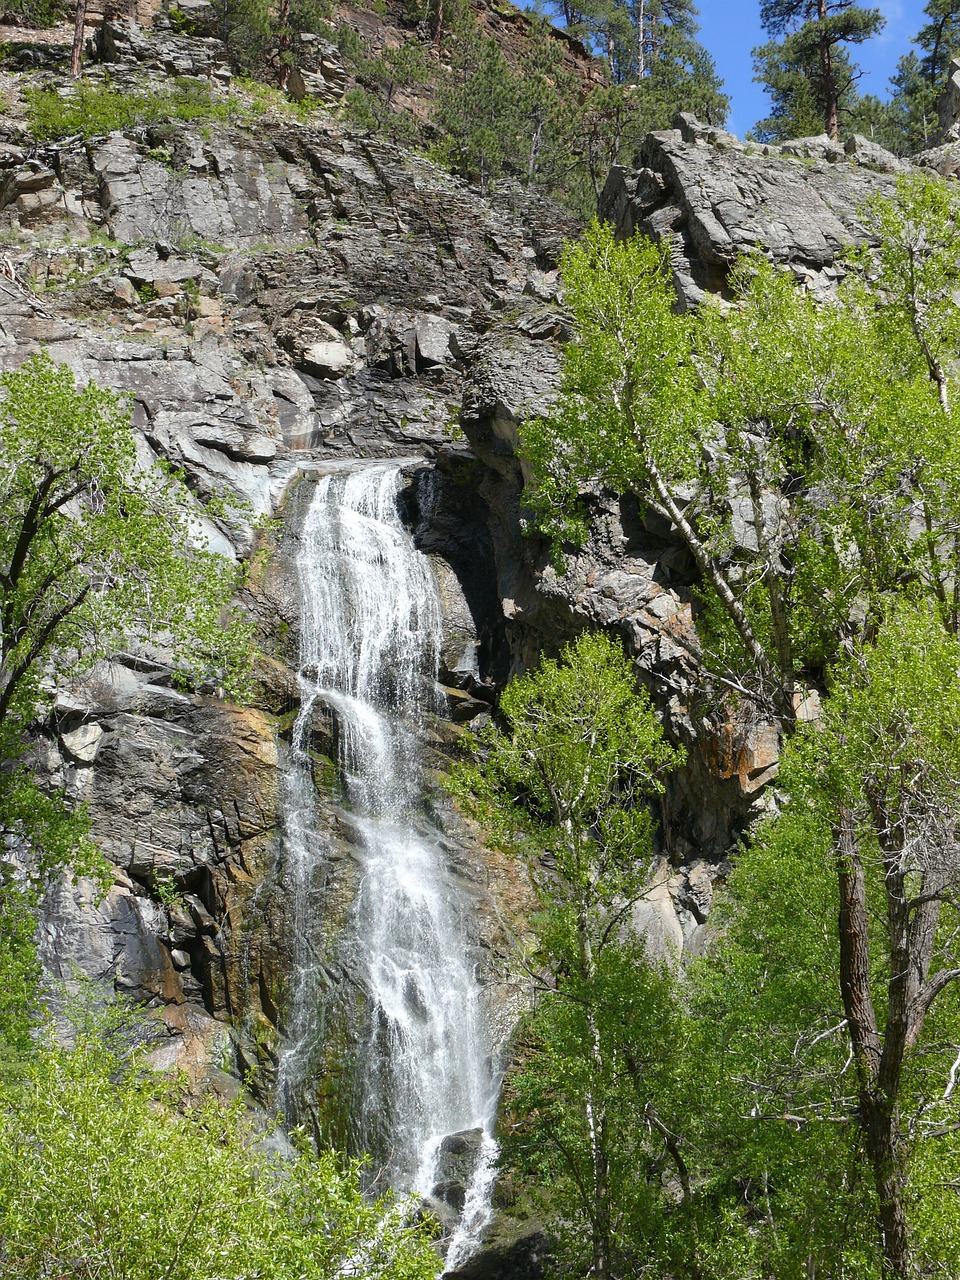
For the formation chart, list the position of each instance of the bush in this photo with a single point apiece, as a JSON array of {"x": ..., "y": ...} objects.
[
  {"x": 108, "y": 1171},
  {"x": 36, "y": 13}
]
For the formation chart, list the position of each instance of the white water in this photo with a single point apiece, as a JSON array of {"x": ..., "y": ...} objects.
[{"x": 370, "y": 641}]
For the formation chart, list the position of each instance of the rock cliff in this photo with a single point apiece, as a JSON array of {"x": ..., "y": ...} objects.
[{"x": 280, "y": 295}]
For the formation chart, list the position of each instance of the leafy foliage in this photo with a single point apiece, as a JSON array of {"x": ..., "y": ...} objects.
[
  {"x": 583, "y": 752},
  {"x": 97, "y": 546},
  {"x": 815, "y": 451},
  {"x": 805, "y": 439},
  {"x": 96, "y": 108},
  {"x": 535, "y": 122},
  {"x": 598, "y": 1077},
  {"x": 36, "y": 13},
  {"x": 571, "y": 782},
  {"x": 920, "y": 79},
  {"x": 261, "y": 37},
  {"x": 42, "y": 835},
  {"x": 778, "y": 989},
  {"x": 108, "y": 1169}
]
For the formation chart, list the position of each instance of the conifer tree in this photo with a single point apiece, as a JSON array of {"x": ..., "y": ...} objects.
[
  {"x": 921, "y": 76},
  {"x": 806, "y": 66}
]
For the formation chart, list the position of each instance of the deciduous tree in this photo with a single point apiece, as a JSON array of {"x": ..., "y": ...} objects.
[
  {"x": 570, "y": 779},
  {"x": 840, "y": 1039},
  {"x": 807, "y": 454},
  {"x": 108, "y": 1170},
  {"x": 97, "y": 542},
  {"x": 100, "y": 546}
]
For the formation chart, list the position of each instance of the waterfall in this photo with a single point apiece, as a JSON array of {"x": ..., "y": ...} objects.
[{"x": 369, "y": 653}]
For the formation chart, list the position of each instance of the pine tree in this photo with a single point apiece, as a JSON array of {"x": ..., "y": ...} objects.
[
  {"x": 806, "y": 66},
  {"x": 920, "y": 78}
]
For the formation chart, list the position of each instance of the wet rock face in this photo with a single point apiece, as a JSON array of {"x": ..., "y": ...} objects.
[
  {"x": 527, "y": 1256},
  {"x": 459, "y": 1154},
  {"x": 324, "y": 316}
]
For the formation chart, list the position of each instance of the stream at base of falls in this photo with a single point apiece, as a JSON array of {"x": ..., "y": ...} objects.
[{"x": 424, "y": 1068}]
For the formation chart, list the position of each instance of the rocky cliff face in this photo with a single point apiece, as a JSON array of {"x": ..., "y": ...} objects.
[
  {"x": 279, "y": 296},
  {"x": 269, "y": 299}
]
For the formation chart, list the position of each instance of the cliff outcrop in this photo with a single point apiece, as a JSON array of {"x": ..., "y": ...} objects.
[{"x": 277, "y": 296}]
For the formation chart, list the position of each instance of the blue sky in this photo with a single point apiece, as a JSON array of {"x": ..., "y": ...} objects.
[{"x": 731, "y": 28}]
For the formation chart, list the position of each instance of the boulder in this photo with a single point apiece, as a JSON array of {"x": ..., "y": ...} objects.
[
  {"x": 715, "y": 201},
  {"x": 328, "y": 359},
  {"x": 526, "y": 1255},
  {"x": 456, "y": 1166},
  {"x": 433, "y": 336}
]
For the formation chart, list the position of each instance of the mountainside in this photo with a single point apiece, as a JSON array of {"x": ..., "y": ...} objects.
[{"x": 282, "y": 297}]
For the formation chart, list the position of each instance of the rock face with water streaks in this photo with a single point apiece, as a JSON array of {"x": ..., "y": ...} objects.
[{"x": 281, "y": 298}]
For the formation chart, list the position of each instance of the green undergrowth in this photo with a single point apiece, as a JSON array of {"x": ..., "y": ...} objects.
[
  {"x": 96, "y": 108},
  {"x": 38, "y": 14}
]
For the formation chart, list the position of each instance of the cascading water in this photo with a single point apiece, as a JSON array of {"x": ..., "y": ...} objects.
[{"x": 369, "y": 651}]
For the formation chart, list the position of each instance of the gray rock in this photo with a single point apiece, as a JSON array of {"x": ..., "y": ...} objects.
[
  {"x": 948, "y": 107},
  {"x": 433, "y": 336},
  {"x": 716, "y": 203},
  {"x": 526, "y": 1255},
  {"x": 82, "y": 744},
  {"x": 199, "y": 17},
  {"x": 867, "y": 152},
  {"x": 456, "y": 1165},
  {"x": 329, "y": 359}
]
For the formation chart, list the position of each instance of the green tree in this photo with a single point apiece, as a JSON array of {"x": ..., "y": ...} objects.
[
  {"x": 914, "y": 120},
  {"x": 939, "y": 39},
  {"x": 37, "y": 13},
  {"x": 96, "y": 548},
  {"x": 570, "y": 779},
  {"x": 635, "y": 412},
  {"x": 810, "y": 59},
  {"x": 633, "y": 35},
  {"x": 592, "y": 1117},
  {"x": 788, "y": 74},
  {"x": 859, "y": 1036},
  {"x": 259, "y": 35},
  {"x": 478, "y": 106},
  {"x": 776, "y": 1104},
  {"x": 107, "y": 1170},
  {"x": 42, "y": 836},
  {"x": 372, "y": 104},
  {"x": 909, "y": 122},
  {"x": 806, "y": 455}
]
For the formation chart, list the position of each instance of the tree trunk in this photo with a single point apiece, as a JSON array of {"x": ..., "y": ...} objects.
[
  {"x": 709, "y": 567},
  {"x": 879, "y": 1119},
  {"x": 76, "y": 53},
  {"x": 769, "y": 556},
  {"x": 595, "y": 1113},
  {"x": 831, "y": 106},
  {"x": 878, "y": 1061},
  {"x": 284, "y": 42}
]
